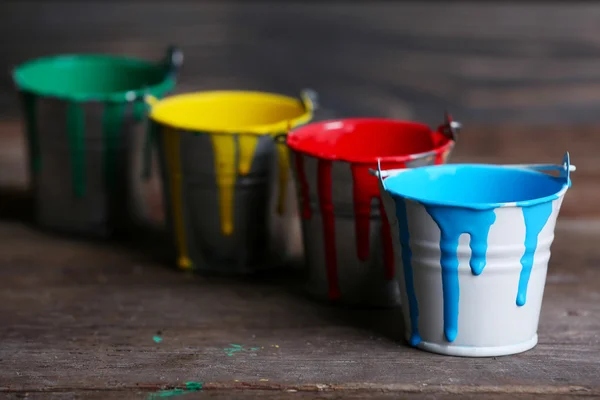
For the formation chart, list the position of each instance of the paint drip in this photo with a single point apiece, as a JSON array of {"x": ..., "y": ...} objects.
[
  {"x": 172, "y": 145},
  {"x": 229, "y": 148},
  {"x": 453, "y": 222},
  {"x": 365, "y": 189}
]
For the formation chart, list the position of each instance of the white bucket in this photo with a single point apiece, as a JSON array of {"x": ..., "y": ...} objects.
[{"x": 473, "y": 244}]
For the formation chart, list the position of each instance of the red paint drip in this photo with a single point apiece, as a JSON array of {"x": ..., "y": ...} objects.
[
  {"x": 304, "y": 196},
  {"x": 324, "y": 183},
  {"x": 439, "y": 158},
  {"x": 366, "y": 188}
]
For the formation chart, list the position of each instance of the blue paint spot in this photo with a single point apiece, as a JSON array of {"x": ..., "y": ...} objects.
[
  {"x": 536, "y": 218},
  {"x": 453, "y": 222},
  {"x": 413, "y": 307}
]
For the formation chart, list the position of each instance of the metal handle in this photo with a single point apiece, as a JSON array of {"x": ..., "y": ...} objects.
[
  {"x": 173, "y": 61},
  {"x": 450, "y": 128},
  {"x": 565, "y": 168},
  {"x": 310, "y": 99}
]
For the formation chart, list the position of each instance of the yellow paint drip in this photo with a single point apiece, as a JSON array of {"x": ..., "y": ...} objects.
[
  {"x": 173, "y": 160},
  {"x": 225, "y": 115}
]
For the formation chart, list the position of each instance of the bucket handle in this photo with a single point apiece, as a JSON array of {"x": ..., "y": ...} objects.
[
  {"x": 450, "y": 128},
  {"x": 173, "y": 61},
  {"x": 565, "y": 168},
  {"x": 310, "y": 101}
]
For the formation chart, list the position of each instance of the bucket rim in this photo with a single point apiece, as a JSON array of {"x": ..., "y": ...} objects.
[
  {"x": 282, "y": 126},
  {"x": 405, "y": 158},
  {"x": 480, "y": 206},
  {"x": 23, "y": 84}
]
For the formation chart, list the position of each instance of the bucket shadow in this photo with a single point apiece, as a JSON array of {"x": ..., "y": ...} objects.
[
  {"x": 16, "y": 205},
  {"x": 381, "y": 322}
]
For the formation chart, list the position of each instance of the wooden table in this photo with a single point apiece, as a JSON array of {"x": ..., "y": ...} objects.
[{"x": 114, "y": 320}]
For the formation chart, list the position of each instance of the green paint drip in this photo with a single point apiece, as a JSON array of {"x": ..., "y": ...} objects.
[
  {"x": 189, "y": 388},
  {"x": 157, "y": 339},
  {"x": 112, "y": 122},
  {"x": 152, "y": 130},
  {"x": 31, "y": 125},
  {"x": 139, "y": 110},
  {"x": 230, "y": 351},
  {"x": 76, "y": 135}
]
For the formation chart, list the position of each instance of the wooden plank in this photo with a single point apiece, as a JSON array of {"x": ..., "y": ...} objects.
[
  {"x": 279, "y": 395},
  {"x": 87, "y": 313},
  {"x": 492, "y": 63}
]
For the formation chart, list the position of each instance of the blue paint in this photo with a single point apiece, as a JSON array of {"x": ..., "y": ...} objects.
[
  {"x": 413, "y": 306},
  {"x": 536, "y": 218},
  {"x": 475, "y": 186},
  {"x": 462, "y": 198},
  {"x": 453, "y": 222}
]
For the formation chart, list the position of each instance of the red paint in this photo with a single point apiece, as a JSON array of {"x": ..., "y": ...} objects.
[
  {"x": 303, "y": 183},
  {"x": 325, "y": 201},
  {"x": 365, "y": 189},
  {"x": 360, "y": 142}
]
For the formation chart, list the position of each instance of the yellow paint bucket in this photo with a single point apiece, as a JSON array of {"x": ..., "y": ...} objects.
[{"x": 225, "y": 178}]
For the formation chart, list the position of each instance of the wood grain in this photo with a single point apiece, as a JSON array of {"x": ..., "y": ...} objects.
[
  {"x": 489, "y": 63},
  {"x": 79, "y": 317}
]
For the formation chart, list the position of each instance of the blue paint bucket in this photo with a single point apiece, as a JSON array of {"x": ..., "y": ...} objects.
[{"x": 473, "y": 244}]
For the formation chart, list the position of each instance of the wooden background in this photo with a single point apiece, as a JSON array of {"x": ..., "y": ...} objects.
[
  {"x": 523, "y": 78},
  {"x": 488, "y": 63},
  {"x": 498, "y": 68}
]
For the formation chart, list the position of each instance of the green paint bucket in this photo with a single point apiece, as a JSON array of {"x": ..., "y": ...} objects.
[{"x": 82, "y": 115}]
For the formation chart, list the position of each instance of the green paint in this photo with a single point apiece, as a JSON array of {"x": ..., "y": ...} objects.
[
  {"x": 78, "y": 79},
  {"x": 157, "y": 339},
  {"x": 139, "y": 109},
  {"x": 189, "y": 388},
  {"x": 88, "y": 77},
  {"x": 230, "y": 351},
  {"x": 112, "y": 124},
  {"x": 152, "y": 130},
  {"x": 76, "y": 135},
  {"x": 31, "y": 125}
]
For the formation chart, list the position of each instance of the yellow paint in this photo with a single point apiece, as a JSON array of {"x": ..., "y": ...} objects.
[
  {"x": 225, "y": 115},
  {"x": 173, "y": 160}
]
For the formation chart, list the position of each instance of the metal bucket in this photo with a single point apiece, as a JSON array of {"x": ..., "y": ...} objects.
[
  {"x": 80, "y": 115},
  {"x": 473, "y": 242},
  {"x": 228, "y": 201},
  {"x": 347, "y": 244}
]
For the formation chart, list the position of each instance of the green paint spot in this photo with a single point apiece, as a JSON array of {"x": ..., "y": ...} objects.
[
  {"x": 189, "y": 388},
  {"x": 230, "y": 351},
  {"x": 76, "y": 135},
  {"x": 112, "y": 123},
  {"x": 29, "y": 101},
  {"x": 157, "y": 339}
]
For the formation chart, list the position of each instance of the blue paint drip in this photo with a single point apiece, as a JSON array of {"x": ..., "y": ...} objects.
[
  {"x": 453, "y": 222},
  {"x": 413, "y": 306},
  {"x": 536, "y": 218}
]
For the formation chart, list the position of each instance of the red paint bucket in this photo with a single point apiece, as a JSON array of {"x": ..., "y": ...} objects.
[{"x": 347, "y": 239}]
